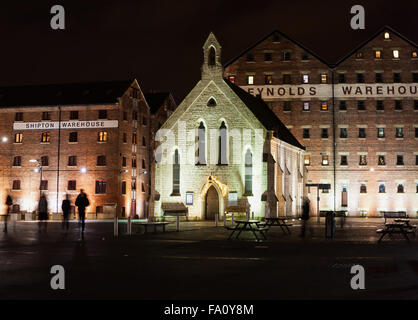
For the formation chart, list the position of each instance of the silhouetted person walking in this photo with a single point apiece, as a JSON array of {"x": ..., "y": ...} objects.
[
  {"x": 82, "y": 202},
  {"x": 9, "y": 202},
  {"x": 43, "y": 212},
  {"x": 305, "y": 216},
  {"x": 66, "y": 207}
]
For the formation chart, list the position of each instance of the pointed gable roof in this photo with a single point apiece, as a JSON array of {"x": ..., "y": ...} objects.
[
  {"x": 281, "y": 34},
  {"x": 265, "y": 115},
  {"x": 378, "y": 33},
  {"x": 64, "y": 94},
  {"x": 156, "y": 99}
]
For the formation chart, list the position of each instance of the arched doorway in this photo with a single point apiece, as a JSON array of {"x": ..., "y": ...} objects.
[{"x": 212, "y": 203}]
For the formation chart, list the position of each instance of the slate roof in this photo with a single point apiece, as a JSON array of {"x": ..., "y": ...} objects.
[
  {"x": 63, "y": 94},
  {"x": 265, "y": 115},
  {"x": 155, "y": 100}
]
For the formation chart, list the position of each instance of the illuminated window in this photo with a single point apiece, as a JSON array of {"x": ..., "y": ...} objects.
[
  {"x": 268, "y": 56},
  {"x": 379, "y": 77},
  {"x": 324, "y": 133},
  {"x": 361, "y": 105},
  {"x": 102, "y": 136},
  {"x": 386, "y": 36},
  {"x": 19, "y": 116},
  {"x": 306, "y": 133},
  {"x": 73, "y": 115},
  {"x": 401, "y": 188},
  {"x": 325, "y": 160},
  {"x": 268, "y": 79},
  {"x": 201, "y": 144},
  {"x": 382, "y": 188},
  {"x": 286, "y": 79},
  {"x": 101, "y": 161},
  {"x": 176, "y": 173},
  {"x": 414, "y": 54},
  {"x": 286, "y": 56},
  {"x": 44, "y": 161},
  {"x": 363, "y": 160},
  {"x": 380, "y": 105},
  {"x": 399, "y": 132},
  {"x": 100, "y": 187},
  {"x": 17, "y": 161},
  {"x": 123, "y": 187},
  {"x": 396, "y": 77},
  {"x": 305, "y": 78},
  {"x": 343, "y": 133},
  {"x": 248, "y": 173},
  {"x": 287, "y": 106},
  {"x": 341, "y": 78},
  {"x": 16, "y": 184},
  {"x": 307, "y": 160},
  {"x": 46, "y": 115},
  {"x": 102, "y": 114},
  {"x": 72, "y": 161},
  {"x": 381, "y": 160},
  {"x": 344, "y": 161},
  {"x": 399, "y": 160},
  {"x": 323, "y": 78},
  {"x": 360, "y": 77},
  {"x": 72, "y": 185},
  {"x": 380, "y": 132},
  {"x": 45, "y": 137},
  {"x": 250, "y": 58},
  {"x": 18, "y": 137},
  {"x": 396, "y": 54},
  {"x": 363, "y": 188},
  {"x": 222, "y": 158},
  {"x": 250, "y": 80},
  {"x": 44, "y": 185},
  {"x": 73, "y": 137},
  {"x": 231, "y": 79},
  {"x": 378, "y": 54},
  {"x": 343, "y": 105},
  {"x": 398, "y": 105},
  {"x": 306, "y": 106},
  {"x": 359, "y": 55},
  {"x": 324, "y": 106}
]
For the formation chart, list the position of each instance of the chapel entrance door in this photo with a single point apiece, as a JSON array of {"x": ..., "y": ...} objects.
[{"x": 212, "y": 204}]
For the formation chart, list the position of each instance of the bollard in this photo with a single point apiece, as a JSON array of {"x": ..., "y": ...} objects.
[
  {"x": 129, "y": 226},
  {"x": 225, "y": 219},
  {"x": 116, "y": 226},
  {"x": 216, "y": 219},
  {"x": 178, "y": 223},
  {"x": 232, "y": 218},
  {"x": 247, "y": 215},
  {"x": 252, "y": 215}
]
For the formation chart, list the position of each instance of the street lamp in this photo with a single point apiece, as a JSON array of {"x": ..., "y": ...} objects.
[{"x": 4, "y": 139}]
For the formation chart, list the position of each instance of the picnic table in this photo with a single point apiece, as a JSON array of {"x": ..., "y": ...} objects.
[
  {"x": 396, "y": 228},
  {"x": 280, "y": 222},
  {"x": 247, "y": 225}
]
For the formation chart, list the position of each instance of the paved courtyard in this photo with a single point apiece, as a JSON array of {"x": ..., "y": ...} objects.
[{"x": 199, "y": 263}]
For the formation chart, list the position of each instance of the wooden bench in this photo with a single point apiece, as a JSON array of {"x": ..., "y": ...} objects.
[
  {"x": 394, "y": 215},
  {"x": 154, "y": 224}
]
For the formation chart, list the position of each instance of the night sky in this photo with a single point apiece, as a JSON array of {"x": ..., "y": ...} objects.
[{"x": 159, "y": 42}]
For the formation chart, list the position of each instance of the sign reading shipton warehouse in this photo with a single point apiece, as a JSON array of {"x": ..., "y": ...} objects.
[{"x": 55, "y": 125}]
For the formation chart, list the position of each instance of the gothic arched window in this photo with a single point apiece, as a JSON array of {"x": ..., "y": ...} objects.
[
  {"x": 201, "y": 144},
  {"x": 176, "y": 173},
  {"x": 248, "y": 173},
  {"x": 212, "y": 57},
  {"x": 223, "y": 142}
]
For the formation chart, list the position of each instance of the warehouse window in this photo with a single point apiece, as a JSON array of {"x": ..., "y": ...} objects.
[
  {"x": 415, "y": 104},
  {"x": 401, "y": 188},
  {"x": 45, "y": 137},
  {"x": 307, "y": 160},
  {"x": 125, "y": 116},
  {"x": 250, "y": 80},
  {"x": 250, "y": 58},
  {"x": 341, "y": 78},
  {"x": 414, "y": 54},
  {"x": 16, "y": 184},
  {"x": 142, "y": 187},
  {"x": 398, "y": 105},
  {"x": 72, "y": 161},
  {"x": 381, "y": 160},
  {"x": 399, "y": 160},
  {"x": 44, "y": 185},
  {"x": 380, "y": 105},
  {"x": 378, "y": 54},
  {"x": 201, "y": 144},
  {"x": 176, "y": 173},
  {"x": 361, "y": 105},
  {"x": 102, "y": 114},
  {"x": 386, "y": 35},
  {"x": 248, "y": 173},
  {"x": 325, "y": 160},
  {"x": 73, "y": 137},
  {"x": 380, "y": 132},
  {"x": 124, "y": 137},
  {"x": 306, "y": 106},
  {"x": 324, "y": 106},
  {"x": 19, "y": 116},
  {"x": 124, "y": 161},
  {"x": 286, "y": 56},
  {"x": 134, "y": 162},
  {"x": 343, "y": 133},
  {"x": 305, "y": 78},
  {"x": 360, "y": 77},
  {"x": 359, "y": 55},
  {"x": 363, "y": 188},
  {"x": 396, "y": 54},
  {"x": 268, "y": 56},
  {"x": 287, "y": 106},
  {"x": 144, "y": 142},
  {"x": 324, "y": 78},
  {"x": 72, "y": 185},
  {"x": 363, "y": 160},
  {"x": 17, "y": 161},
  {"x": 344, "y": 161},
  {"x": 276, "y": 37},
  {"x": 134, "y": 115},
  {"x": 306, "y": 133},
  {"x": 324, "y": 133},
  {"x": 102, "y": 136},
  {"x": 287, "y": 79},
  {"x": 268, "y": 79},
  {"x": 379, "y": 77},
  {"x": 416, "y": 132},
  {"x": 396, "y": 77},
  {"x": 18, "y": 137},
  {"x": 382, "y": 187},
  {"x": 222, "y": 159},
  {"x": 399, "y": 132},
  {"x": 305, "y": 56},
  {"x": 343, "y": 105},
  {"x": 362, "y": 133},
  {"x": 415, "y": 77},
  {"x": 101, "y": 161},
  {"x": 46, "y": 115},
  {"x": 143, "y": 164},
  {"x": 44, "y": 161},
  {"x": 100, "y": 187},
  {"x": 73, "y": 115},
  {"x": 123, "y": 187}
]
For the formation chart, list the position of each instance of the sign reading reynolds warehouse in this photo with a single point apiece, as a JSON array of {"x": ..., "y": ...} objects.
[
  {"x": 55, "y": 125},
  {"x": 324, "y": 91}
]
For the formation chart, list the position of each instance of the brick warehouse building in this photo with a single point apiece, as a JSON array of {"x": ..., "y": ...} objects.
[
  {"x": 94, "y": 136},
  {"x": 366, "y": 105}
]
